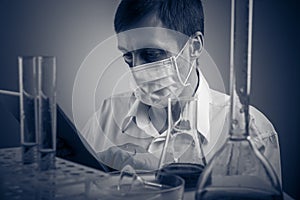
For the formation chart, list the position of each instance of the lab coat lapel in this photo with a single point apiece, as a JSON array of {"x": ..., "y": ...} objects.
[
  {"x": 203, "y": 108},
  {"x": 136, "y": 123}
]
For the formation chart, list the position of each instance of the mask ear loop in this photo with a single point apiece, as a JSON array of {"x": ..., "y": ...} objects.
[{"x": 174, "y": 58}]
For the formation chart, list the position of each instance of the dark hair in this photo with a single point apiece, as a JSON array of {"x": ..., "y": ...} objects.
[{"x": 185, "y": 16}]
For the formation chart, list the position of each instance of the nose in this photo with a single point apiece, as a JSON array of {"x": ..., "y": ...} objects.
[{"x": 137, "y": 59}]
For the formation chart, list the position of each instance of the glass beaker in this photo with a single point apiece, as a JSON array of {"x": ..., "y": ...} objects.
[
  {"x": 182, "y": 153},
  {"x": 238, "y": 170}
]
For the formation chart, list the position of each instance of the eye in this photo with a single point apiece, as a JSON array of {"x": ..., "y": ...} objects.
[
  {"x": 152, "y": 55},
  {"x": 128, "y": 58}
]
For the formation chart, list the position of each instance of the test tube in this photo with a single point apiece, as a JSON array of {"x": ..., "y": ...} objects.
[
  {"x": 28, "y": 83},
  {"x": 47, "y": 112}
]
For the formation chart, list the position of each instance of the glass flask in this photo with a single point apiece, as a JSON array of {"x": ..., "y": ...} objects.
[
  {"x": 238, "y": 170},
  {"x": 182, "y": 154}
]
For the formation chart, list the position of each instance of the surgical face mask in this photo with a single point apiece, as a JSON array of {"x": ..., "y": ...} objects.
[{"x": 158, "y": 81}]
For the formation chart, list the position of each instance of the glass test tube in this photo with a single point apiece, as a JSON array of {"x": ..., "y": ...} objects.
[
  {"x": 28, "y": 81},
  {"x": 47, "y": 112}
]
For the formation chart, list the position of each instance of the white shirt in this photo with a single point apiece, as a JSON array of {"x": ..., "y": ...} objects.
[{"x": 124, "y": 119}]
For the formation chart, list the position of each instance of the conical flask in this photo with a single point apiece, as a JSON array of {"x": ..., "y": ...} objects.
[
  {"x": 238, "y": 170},
  {"x": 182, "y": 154}
]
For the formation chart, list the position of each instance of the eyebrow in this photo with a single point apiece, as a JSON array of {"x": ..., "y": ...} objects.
[
  {"x": 152, "y": 46},
  {"x": 126, "y": 51}
]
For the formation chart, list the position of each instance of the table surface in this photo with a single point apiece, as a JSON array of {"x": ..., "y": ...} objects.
[{"x": 69, "y": 180}]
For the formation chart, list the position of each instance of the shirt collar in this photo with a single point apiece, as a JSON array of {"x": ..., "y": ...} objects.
[
  {"x": 203, "y": 121},
  {"x": 203, "y": 114}
]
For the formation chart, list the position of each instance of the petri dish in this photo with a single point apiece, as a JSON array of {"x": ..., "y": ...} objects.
[{"x": 156, "y": 186}]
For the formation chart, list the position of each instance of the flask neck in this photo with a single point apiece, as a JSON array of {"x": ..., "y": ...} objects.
[
  {"x": 240, "y": 66},
  {"x": 240, "y": 117},
  {"x": 186, "y": 115}
]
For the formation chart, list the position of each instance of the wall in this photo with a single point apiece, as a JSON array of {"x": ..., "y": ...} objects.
[{"x": 70, "y": 29}]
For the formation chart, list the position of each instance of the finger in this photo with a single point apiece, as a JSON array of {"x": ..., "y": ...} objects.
[
  {"x": 111, "y": 157},
  {"x": 102, "y": 157},
  {"x": 119, "y": 159},
  {"x": 133, "y": 148},
  {"x": 150, "y": 161},
  {"x": 143, "y": 161}
]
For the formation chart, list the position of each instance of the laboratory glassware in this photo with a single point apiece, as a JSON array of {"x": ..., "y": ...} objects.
[
  {"x": 47, "y": 112},
  {"x": 238, "y": 170},
  {"x": 28, "y": 85},
  {"x": 182, "y": 153},
  {"x": 131, "y": 184}
]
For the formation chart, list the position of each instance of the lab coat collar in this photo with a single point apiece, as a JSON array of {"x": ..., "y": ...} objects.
[
  {"x": 204, "y": 99},
  {"x": 139, "y": 111}
]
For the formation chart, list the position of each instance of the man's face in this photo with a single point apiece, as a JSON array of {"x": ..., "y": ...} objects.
[
  {"x": 147, "y": 42},
  {"x": 145, "y": 45}
]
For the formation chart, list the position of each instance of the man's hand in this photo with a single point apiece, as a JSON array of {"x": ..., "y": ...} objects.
[{"x": 128, "y": 154}]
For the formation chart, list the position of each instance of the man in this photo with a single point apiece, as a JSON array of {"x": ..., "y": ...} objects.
[{"x": 161, "y": 41}]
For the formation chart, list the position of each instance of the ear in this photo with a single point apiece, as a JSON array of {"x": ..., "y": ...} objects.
[{"x": 196, "y": 44}]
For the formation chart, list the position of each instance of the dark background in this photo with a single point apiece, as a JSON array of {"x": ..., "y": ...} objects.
[{"x": 69, "y": 29}]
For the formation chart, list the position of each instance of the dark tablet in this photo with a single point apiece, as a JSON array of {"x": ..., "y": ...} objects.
[{"x": 70, "y": 145}]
